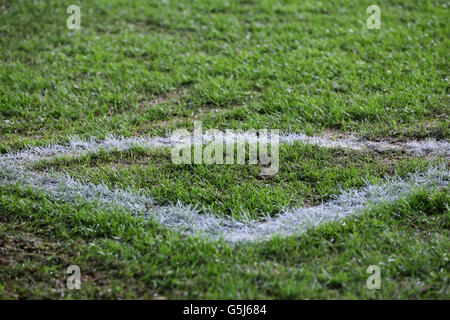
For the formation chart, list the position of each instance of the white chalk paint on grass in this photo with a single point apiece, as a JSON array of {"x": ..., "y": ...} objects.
[
  {"x": 418, "y": 148},
  {"x": 78, "y": 146},
  {"x": 187, "y": 219}
]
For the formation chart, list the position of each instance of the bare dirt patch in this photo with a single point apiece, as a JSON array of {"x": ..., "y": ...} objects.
[{"x": 166, "y": 98}]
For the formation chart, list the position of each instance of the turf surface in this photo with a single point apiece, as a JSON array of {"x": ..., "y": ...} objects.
[{"x": 148, "y": 67}]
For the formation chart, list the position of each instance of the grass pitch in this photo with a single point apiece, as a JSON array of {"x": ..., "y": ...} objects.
[{"x": 150, "y": 67}]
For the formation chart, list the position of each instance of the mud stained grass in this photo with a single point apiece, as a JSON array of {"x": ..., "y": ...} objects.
[
  {"x": 25, "y": 256},
  {"x": 307, "y": 175},
  {"x": 35, "y": 254}
]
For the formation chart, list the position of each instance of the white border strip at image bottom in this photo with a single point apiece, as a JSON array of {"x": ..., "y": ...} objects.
[{"x": 187, "y": 219}]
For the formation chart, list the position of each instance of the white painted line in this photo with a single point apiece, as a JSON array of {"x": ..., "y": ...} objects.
[
  {"x": 78, "y": 146},
  {"x": 418, "y": 148},
  {"x": 186, "y": 219}
]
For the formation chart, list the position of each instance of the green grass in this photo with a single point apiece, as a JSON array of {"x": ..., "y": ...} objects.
[
  {"x": 297, "y": 66},
  {"x": 307, "y": 175},
  {"x": 124, "y": 257},
  {"x": 149, "y": 67}
]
